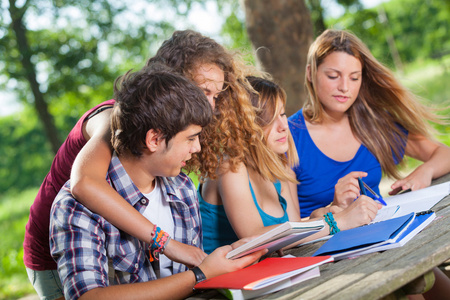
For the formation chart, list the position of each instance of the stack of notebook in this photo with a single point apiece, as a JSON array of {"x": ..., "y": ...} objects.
[
  {"x": 267, "y": 276},
  {"x": 376, "y": 237}
]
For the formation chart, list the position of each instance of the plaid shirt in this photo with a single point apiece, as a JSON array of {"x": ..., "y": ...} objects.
[{"x": 85, "y": 245}]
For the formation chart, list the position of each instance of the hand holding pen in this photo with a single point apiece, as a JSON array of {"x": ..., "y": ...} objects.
[
  {"x": 346, "y": 189},
  {"x": 364, "y": 188}
]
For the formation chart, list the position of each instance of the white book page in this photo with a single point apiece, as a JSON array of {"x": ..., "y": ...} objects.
[
  {"x": 386, "y": 213},
  {"x": 420, "y": 200}
]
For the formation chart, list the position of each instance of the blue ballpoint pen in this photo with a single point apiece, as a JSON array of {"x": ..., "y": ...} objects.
[
  {"x": 377, "y": 197},
  {"x": 363, "y": 186}
]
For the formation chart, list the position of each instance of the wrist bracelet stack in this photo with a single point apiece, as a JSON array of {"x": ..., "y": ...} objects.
[
  {"x": 331, "y": 223},
  {"x": 160, "y": 239}
]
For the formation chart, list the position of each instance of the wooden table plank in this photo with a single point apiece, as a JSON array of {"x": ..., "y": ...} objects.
[{"x": 402, "y": 270}]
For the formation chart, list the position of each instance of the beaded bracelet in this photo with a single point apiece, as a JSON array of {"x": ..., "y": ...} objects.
[
  {"x": 160, "y": 239},
  {"x": 331, "y": 223}
]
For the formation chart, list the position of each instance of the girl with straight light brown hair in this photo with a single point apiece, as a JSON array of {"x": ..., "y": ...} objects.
[{"x": 358, "y": 121}]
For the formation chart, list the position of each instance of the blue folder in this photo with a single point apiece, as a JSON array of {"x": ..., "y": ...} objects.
[{"x": 361, "y": 238}]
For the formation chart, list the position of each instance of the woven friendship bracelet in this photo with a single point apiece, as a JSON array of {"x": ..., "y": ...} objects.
[
  {"x": 160, "y": 239},
  {"x": 331, "y": 223}
]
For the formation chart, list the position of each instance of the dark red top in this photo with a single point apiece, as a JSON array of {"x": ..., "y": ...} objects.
[{"x": 36, "y": 244}]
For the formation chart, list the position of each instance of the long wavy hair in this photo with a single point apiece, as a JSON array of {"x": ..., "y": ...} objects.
[
  {"x": 382, "y": 105},
  {"x": 233, "y": 124},
  {"x": 263, "y": 160}
]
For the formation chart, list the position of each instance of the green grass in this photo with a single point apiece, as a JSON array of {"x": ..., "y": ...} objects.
[
  {"x": 14, "y": 210},
  {"x": 429, "y": 81}
]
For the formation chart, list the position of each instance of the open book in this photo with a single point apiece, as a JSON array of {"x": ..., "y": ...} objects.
[
  {"x": 278, "y": 237},
  {"x": 420, "y": 200},
  {"x": 269, "y": 275}
]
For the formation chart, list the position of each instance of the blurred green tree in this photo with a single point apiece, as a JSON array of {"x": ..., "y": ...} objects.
[
  {"x": 61, "y": 57},
  {"x": 318, "y": 9},
  {"x": 29, "y": 71},
  {"x": 419, "y": 29},
  {"x": 76, "y": 48}
]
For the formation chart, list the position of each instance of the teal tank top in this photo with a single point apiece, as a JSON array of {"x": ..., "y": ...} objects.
[{"x": 217, "y": 230}]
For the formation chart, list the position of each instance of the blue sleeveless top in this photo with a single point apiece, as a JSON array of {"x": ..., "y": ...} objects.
[
  {"x": 318, "y": 174},
  {"x": 217, "y": 230}
]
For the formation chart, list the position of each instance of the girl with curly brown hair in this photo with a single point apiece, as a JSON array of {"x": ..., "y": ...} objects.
[
  {"x": 261, "y": 192},
  {"x": 221, "y": 75}
]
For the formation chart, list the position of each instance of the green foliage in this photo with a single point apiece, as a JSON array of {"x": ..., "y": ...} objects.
[
  {"x": 78, "y": 54},
  {"x": 420, "y": 29},
  {"x": 77, "y": 48},
  {"x": 431, "y": 84},
  {"x": 24, "y": 156},
  {"x": 234, "y": 30},
  {"x": 14, "y": 209},
  {"x": 80, "y": 59}
]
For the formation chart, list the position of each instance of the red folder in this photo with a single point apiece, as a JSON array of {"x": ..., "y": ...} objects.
[{"x": 267, "y": 272}]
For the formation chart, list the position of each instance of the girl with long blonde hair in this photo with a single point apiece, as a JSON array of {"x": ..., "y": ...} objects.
[{"x": 261, "y": 192}]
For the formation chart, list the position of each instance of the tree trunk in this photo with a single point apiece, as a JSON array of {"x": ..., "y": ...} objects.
[
  {"x": 282, "y": 32},
  {"x": 30, "y": 73}
]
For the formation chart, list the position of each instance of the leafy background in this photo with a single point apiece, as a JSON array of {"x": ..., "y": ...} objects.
[{"x": 79, "y": 56}]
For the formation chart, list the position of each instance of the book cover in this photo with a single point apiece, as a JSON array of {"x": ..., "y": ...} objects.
[
  {"x": 264, "y": 273},
  {"x": 421, "y": 221},
  {"x": 238, "y": 294},
  {"x": 361, "y": 238},
  {"x": 277, "y": 237}
]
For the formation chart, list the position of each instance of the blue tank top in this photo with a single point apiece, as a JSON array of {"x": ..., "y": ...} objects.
[
  {"x": 217, "y": 230},
  {"x": 318, "y": 174}
]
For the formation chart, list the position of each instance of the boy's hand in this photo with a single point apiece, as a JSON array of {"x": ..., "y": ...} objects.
[{"x": 217, "y": 264}]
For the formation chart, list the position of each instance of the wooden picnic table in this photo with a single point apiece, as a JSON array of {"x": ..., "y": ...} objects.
[{"x": 387, "y": 274}]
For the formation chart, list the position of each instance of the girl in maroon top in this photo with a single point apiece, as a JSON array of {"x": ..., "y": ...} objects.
[{"x": 36, "y": 243}]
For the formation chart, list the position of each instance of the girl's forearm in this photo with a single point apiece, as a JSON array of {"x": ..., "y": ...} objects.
[{"x": 101, "y": 198}]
